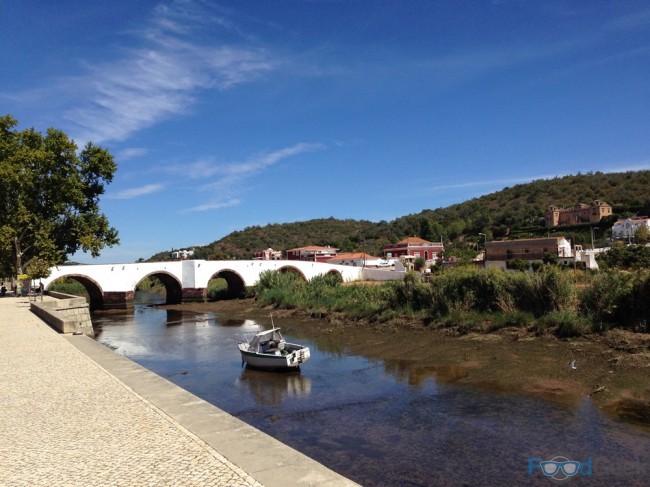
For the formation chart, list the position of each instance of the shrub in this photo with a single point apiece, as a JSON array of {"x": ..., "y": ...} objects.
[
  {"x": 465, "y": 322},
  {"x": 469, "y": 288},
  {"x": 217, "y": 289},
  {"x": 568, "y": 323},
  {"x": 411, "y": 293},
  {"x": 516, "y": 319},
  {"x": 625, "y": 257},
  {"x": 517, "y": 264},
  {"x": 275, "y": 279},
  {"x": 618, "y": 299},
  {"x": 279, "y": 297},
  {"x": 543, "y": 292}
]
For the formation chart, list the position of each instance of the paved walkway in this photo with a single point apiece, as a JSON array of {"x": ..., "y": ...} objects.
[{"x": 73, "y": 413}]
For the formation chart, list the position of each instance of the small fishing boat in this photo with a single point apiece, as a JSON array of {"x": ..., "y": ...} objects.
[{"x": 269, "y": 350}]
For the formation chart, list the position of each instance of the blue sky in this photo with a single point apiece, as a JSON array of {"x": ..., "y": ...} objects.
[{"x": 223, "y": 115}]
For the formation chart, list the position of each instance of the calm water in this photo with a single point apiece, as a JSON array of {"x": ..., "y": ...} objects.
[{"x": 371, "y": 420}]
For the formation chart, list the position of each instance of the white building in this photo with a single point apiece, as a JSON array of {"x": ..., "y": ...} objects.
[
  {"x": 625, "y": 228},
  {"x": 359, "y": 259},
  {"x": 268, "y": 254},
  {"x": 589, "y": 256},
  {"x": 181, "y": 254}
]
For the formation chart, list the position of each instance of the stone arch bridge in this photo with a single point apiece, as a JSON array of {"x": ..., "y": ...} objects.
[{"x": 113, "y": 285}]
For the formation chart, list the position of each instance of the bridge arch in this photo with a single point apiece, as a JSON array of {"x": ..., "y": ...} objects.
[
  {"x": 289, "y": 268},
  {"x": 236, "y": 283},
  {"x": 94, "y": 290},
  {"x": 334, "y": 272},
  {"x": 173, "y": 288},
  {"x": 112, "y": 286}
]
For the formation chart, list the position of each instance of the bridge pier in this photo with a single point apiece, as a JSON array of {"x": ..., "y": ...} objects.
[
  {"x": 118, "y": 299},
  {"x": 194, "y": 294}
]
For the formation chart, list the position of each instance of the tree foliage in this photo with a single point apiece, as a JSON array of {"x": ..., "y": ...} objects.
[
  {"x": 625, "y": 257},
  {"x": 642, "y": 235},
  {"x": 49, "y": 198}
]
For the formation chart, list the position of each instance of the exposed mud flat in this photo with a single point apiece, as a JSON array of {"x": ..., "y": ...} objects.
[{"x": 612, "y": 368}]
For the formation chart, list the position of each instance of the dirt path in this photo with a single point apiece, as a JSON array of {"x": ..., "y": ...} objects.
[{"x": 613, "y": 368}]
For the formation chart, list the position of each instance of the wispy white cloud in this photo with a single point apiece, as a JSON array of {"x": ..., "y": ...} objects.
[
  {"x": 162, "y": 77},
  {"x": 131, "y": 153},
  {"x": 233, "y": 174},
  {"x": 228, "y": 178},
  {"x": 213, "y": 205},
  {"x": 256, "y": 163},
  {"x": 136, "y": 192}
]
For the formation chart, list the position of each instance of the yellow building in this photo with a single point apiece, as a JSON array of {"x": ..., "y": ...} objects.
[{"x": 580, "y": 213}]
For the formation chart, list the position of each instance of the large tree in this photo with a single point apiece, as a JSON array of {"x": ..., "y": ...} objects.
[{"x": 49, "y": 198}]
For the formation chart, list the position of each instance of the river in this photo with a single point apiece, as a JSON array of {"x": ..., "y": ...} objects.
[{"x": 368, "y": 420}]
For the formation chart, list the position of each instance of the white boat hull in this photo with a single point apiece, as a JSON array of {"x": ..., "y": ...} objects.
[{"x": 274, "y": 360}]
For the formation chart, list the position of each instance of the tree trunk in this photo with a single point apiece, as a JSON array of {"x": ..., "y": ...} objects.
[{"x": 19, "y": 256}]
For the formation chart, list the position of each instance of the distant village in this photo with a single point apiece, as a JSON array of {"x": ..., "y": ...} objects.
[{"x": 405, "y": 254}]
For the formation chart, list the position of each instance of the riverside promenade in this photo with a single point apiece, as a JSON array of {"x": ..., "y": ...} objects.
[{"x": 73, "y": 413}]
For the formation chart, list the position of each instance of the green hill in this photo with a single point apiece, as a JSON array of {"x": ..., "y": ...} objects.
[{"x": 513, "y": 212}]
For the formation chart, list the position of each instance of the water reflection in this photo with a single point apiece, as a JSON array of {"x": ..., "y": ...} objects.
[
  {"x": 273, "y": 388},
  {"x": 415, "y": 375},
  {"x": 251, "y": 325},
  {"x": 378, "y": 422}
]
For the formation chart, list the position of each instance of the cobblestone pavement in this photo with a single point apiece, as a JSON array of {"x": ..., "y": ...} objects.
[{"x": 64, "y": 421}]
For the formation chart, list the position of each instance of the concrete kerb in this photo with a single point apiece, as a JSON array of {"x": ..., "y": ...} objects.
[{"x": 261, "y": 456}]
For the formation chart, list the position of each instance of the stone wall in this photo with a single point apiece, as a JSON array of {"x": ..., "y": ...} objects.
[
  {"x": 382, "y": 274},
  {"x": 65, "y": 313},
  {"x": 194, "y": 294},
  {"x": 118, "y": 299}
]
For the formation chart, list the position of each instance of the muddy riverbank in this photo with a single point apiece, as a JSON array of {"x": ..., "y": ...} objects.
[{"x": 611, "y": 368}]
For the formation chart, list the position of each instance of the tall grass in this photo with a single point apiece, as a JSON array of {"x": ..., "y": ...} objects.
[
  {"x": 280, "y": 289},
  {"x": 618, "y": 299},
  {"x": 471, "y": 289},
  {"x": 544, "y": 292},
  {"x": 472, "y": 299},
  {"x": 489, "y": 291}
]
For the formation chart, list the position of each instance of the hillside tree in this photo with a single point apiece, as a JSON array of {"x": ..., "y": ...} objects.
[
  {"x": 642, "y": 235},
  {"x": 49, "y": 198}
]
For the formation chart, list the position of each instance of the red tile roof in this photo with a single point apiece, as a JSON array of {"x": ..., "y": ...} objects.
[
  {"x": 414, "y": 240},
  {"x": 314, "y": 247}
]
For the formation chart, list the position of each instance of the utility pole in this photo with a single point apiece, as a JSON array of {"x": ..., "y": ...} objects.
[{"x": 592, "y": 237}]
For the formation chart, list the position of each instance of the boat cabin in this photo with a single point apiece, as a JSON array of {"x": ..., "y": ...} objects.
[{"x": 267, "y": 341}]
